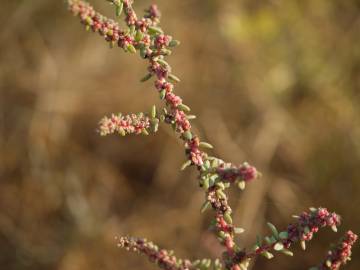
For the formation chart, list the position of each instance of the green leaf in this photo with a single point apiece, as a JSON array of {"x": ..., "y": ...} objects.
[
  {"x": 145, "y": 132},
  {"x": 273, "y": 230},
  {"x": 287, "y": 252},
  {"x": 206, "y": 183},
  {"x": 206, "y": 145},
  {"x": 146, "y": 77},
  {"x": 143, "y": 53},
  {"x": 220, "y": 194},
  {"x": 267, "y": 255},
  {"x": 241, "y": 185},
  {"x": 228, "y": 217},
  {"x": 220, "y": 185},
  {"x": 119, "y": 9},
  {"x": 238, "y": 230},
  {"x": 174, "y": 43},
  {"x": 303, "y": 244},
  {"x": 184, "y": 108},
  {"x": 283, "y": 235},
  {"x": 162, "y": 94},
  {"x": 153, "y": 111},
  {"x": 186, "y": 164},
  {"x": 205, "y": 206},
  {"x": 131, "y": 48},
  {"x": 154, "y": 125},
  {"x": 138, "y": 36},
  {"x": 163, "y": 62},
  {"x": 174, "y": 78},
  {"x": 153, "y": 30},
  {"x": 278, "y": 246},
  {"x": 187, "y": 135}
]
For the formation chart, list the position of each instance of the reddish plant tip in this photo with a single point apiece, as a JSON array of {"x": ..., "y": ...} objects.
[
  {"x": 244, "y": 172},
  {"x": 341, "y": 253},
  {"x": 124, "y": 124}
]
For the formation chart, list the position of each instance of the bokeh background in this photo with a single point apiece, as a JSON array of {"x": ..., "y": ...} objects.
[{"x": 276, "y": 83}]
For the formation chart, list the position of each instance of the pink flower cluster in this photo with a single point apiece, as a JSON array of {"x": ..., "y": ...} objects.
[
  {"x": 309, "y": 223},
  {"x": 230, "y": 173},
  {"x": 110, "y": 29},
  {"x": 153, "y": 13},
  {"x": 124, "y": 124},
  {"x": 341, "y": 253},
  {"x": 161, "y": 257},
  {"x": 193, "y": 152}
]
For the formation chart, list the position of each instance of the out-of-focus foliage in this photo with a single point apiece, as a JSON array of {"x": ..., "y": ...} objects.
[{"x": 276, "y": 83}]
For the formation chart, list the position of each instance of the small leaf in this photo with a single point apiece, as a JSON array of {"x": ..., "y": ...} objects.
[
  {"x": 205, "y": 206},
  {"x": 174, "y": 43},
  {"x": 184, "y": 108},
  {"x": 131, "y": 48},
  {"x": 143, "y": 53},
  {"x": 267, "y": 255},
  {"x": 162, "y": 62},
  {"x": 154, "y": 124},
  {"x": 243, "y": 266},
  {"x": 191, "y": 117},
  {"x": 283, "y": 235},
  {"x": 187, "y": 135},
  {"x": 303, "y": 244},
  {"x": 206, "y": 183},
  {"x": 238, "y": 230},
  {"x": 228, "y": 217},
  {"x": 287, "y": 252},
  {"x": 132, "y": 30},
  {"x": 138, "y": 36},
  {"x": 153, "y": 111},
  {"x": 273, "y": 230},
  {"x": 278, "y": 246},
  {"x": 186, "y": 164},
  {"x": 154, "y": 30},
  {"x": 119, "y": 9},
  {"x": 220, "y": 185},
  {"x": 145, "y": 132},
  {"x": 174, "y": 78},
  {"x": 146, "y": 77},
  {"x": 206, "y": 145},
  {"x": 241, "y": 185},
  {"x": 122, "y": 132},
  {"x": 162, "y": 94},
  {"x": 220, "y": 194}
]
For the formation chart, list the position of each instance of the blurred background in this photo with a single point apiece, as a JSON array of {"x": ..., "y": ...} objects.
[{"x": 275, "y": 83}]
